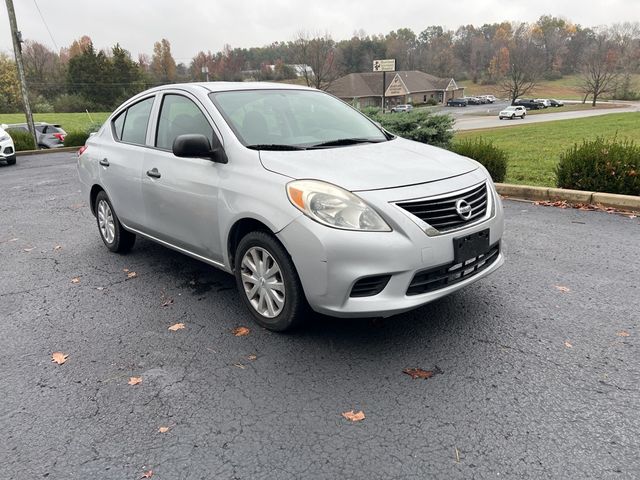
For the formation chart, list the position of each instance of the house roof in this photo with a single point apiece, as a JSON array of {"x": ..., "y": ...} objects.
[{"x": 369, "y": 84}]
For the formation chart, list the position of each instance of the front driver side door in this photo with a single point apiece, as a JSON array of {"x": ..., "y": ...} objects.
[{"x": 181, "y": 194}]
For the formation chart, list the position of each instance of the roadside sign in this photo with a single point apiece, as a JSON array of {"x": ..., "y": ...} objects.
[{"x": 386, "y": 65}]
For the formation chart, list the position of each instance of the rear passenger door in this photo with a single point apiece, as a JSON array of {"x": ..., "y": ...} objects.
[
  {"x": 121, "y": 161},
  {"x": 181, "y": 194}
]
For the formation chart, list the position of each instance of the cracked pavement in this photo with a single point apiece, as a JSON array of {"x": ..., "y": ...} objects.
[{"x": 513, "y": 400}]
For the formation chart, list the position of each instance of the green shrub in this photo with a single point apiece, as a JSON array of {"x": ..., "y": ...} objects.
[
  {"x": 419, "y": 125},
  {"x": 601, "y": 165},
  {"x": 75, "y": 138},
  {"x": 22, "y": 139},
  {"x": 493, "y": 158},
  {"x": 431, "y": 101},
  {"x": 70, "y": 103}
]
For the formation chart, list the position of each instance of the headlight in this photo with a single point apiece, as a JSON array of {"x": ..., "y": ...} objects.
[{"x": 334, "y": 206}]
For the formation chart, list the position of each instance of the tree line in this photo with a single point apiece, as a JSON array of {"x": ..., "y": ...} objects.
[{"x": 513, "y": 55}]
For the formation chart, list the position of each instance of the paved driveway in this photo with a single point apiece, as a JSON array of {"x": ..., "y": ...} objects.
[{"x": 536, "y": 382}]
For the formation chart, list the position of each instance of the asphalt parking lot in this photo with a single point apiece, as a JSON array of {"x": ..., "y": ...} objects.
[{"x": 539, "y": 363}]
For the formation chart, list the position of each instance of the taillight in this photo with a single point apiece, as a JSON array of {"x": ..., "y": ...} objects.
[
  {"x": 82, "y": 149},
  {"x": 59, "y": 136}
]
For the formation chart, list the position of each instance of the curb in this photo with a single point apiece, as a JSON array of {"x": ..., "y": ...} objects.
[
  {"x": 25, "y": 153},
  {"x": 527, "y": 192}
]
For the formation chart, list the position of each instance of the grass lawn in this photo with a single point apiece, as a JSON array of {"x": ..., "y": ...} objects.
[
  {"x": 69, "y": 121},
  {"x": 534, "y": 149},
  {"x": 566, "y": 88}
]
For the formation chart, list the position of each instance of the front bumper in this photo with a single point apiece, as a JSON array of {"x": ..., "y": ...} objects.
[
  {"x": 7, "y": 150},
  {"x": 330, "y": 261}
]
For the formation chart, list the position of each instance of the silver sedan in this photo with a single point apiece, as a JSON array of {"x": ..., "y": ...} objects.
[{"x": 304, "y": 199}]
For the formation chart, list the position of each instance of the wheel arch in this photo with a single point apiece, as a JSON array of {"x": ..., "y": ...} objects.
[
  {"x": 95, "y": 190},
  {"x": 238, "y": 230}
]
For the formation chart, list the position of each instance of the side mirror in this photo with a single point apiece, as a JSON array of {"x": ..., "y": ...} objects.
[{"x": 195, "y": 145}]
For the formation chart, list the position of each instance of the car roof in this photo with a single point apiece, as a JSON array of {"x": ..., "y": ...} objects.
[{"x": 229, "y": 86}]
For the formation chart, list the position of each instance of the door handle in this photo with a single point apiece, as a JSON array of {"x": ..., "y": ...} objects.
[
  {"x": 104, "y": 162},
  {"x": 154, "y": 173}
]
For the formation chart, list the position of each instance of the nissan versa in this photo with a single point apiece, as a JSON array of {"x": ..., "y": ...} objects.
[{"x": 304, "y": 199}]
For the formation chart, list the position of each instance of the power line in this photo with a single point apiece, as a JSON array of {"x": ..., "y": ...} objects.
[{"x": 46, "y": 26}]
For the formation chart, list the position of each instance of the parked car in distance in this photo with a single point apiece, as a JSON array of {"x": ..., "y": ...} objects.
[
  {"x": 528, "y": 104},
  {"x": 457, "y": 102},
  {"x": 473, "y": 100},
  {"x": 512, "y": 112},
  {"x": 7, "y": 148},
  {"x": 402, "y": 108},
  {"x": 556, "y": 103},
  {"x": 544, "y": 101},
  {"x": 49, "y": 135},
  {"x": 297, "y": 194},
  {"x": 488, "y": 98}
]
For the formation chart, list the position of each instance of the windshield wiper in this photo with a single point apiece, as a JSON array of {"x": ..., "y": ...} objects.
[
  {"x": 274, "y": 146},
  {"x": 345, "y": 141}
]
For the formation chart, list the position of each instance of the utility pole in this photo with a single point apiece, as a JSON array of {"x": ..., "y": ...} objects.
[{"x": 17, "y": 49}]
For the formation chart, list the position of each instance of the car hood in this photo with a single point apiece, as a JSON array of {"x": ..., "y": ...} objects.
[{"x": 370, "y": 166}]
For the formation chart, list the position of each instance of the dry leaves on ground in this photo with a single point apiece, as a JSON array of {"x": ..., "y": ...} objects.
[
  {"x": 567, "y": 344},
  {"x": 75, "y": 280},
  {"x": 135, "y": 380},
  {"x": 241, "y": 331},
  {"x": 57, "y": 247},
  {"x": 420, "y": 373},
  {"x": 252, "y": 357},
  {"x": 163, "y": 429},
  {"x": 167, "y": 302},
  {"x": 177, "y": 326},
  {"x": 563, "y": 289},
  {"x": 623, "y": 333},
  {"x": 586, "y": 206},
  {"x": 59, "y": 357},
  {"x": 132, "y": 275},
  {"x": 147, "y": 474},
  {"x": 28, "y": 249},
  {"x": 353, "y": 416}
]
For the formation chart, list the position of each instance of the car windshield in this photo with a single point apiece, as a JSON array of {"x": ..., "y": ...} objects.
[
  {"x": 510, "y": 108},
  {"x": 294, "y": 119}
]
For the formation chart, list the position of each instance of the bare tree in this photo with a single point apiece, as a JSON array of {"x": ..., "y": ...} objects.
[
  {"x": 318, "y": 57},
  {"x": 524, "y": 67},
  {"x": 600, "y": 70}
]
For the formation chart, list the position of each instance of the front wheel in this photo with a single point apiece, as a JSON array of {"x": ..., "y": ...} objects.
[
  {"x": 11, "y": 160},
  {"x": 513, "y": 116},
  {"x": 268, "y": 282},
  {"x": 116, "y": 238}
]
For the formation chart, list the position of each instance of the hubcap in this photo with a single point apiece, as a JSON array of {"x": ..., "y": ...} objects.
[
  {"x": 106, "y": 222},
  {"x": 263, "y": 282}
]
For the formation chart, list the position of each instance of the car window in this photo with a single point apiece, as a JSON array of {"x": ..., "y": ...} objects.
[
  {"x": 180, "y": 116},
  {"x": 292, "y": 117},
  {"x": 136, "y": 121},
  {"x": 118, "y": 123}
]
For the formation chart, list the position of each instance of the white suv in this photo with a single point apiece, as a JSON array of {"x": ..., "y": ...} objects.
[
  {"x": 513, "y": 112},
  {"x": 7, "y": 149}
]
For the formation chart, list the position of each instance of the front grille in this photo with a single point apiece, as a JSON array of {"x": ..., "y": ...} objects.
[
  {"x": 447, "y": 275},
  {"x": 370, "y": 286},
  {"x": 441, "y": 212}
]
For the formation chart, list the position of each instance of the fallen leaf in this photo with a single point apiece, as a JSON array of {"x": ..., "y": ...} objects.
[
  {"x": 567, "y": 344},
  {"x": 239, "y": 365},
  {"x": 177, "y": 326},
  {"x": 241, "y": 331},
  {"x": 354, "y": 416},
  {"x": 29, "y": 249},
  {"x": 59, "y": 357},
  {"x": 147, "y": 474},
  {"x": 168, "y": 302},
  {"x": 563, "y": 289},
  {"x": 163, "y": 429},
  {"x": 75, "y": 280},
  {"x": 132, "y": 275},
  {"x": 623, "y": 333},
  {"x": 252, "y": 357},
  {"x": 418, "y": 373},
  {"x": 125, "y": 270},
  {"x": 58, "y": 247},
  {"x": 99, "y": 288},
  {"x": 457, "y": 455},
  {"x": 135, "y": 380}
]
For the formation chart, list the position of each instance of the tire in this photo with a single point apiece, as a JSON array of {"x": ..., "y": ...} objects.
[
  {"x": 263, "y": 303},
  {"x": 11, "y": 160},
  {"x": 114, "y": 236},
  {"x": 513, "y": 116}
]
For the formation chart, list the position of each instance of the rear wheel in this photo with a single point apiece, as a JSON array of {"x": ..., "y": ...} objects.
[
  {"x": 116, "y": 238},
  {"x": 268, "y": 282}
]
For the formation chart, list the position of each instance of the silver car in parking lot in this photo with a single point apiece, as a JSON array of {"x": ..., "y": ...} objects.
[{"x": 304, "y": 199}]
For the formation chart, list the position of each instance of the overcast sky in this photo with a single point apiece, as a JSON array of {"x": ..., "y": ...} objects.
[{"x": 194, "y": 25}]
